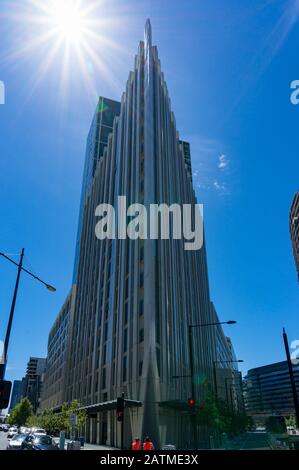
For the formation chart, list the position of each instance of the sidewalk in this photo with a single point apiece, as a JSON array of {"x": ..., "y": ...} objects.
[
  {"x": 88, "y": 446},
  {"x": 97, "y": 447}
]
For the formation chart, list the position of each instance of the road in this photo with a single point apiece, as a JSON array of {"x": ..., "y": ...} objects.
[
  {"x": 3, "y": 440},
  {"x": 251, "y": 440}
]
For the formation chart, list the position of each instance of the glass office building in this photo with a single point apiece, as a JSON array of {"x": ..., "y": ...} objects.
[
  {"x": 97, "y": 140},
  {"x": 267, "y": 390}
]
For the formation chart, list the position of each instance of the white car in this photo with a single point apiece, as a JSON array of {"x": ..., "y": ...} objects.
[
  {"x": 13, "y": 430},
  {"x": 38, "y": 431},
  {"x": 24, "y": 430}
]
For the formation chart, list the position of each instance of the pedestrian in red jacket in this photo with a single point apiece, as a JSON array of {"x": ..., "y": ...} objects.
[
  {"x": 148, "y": 445},
  {"x": 136, "y": 444}
]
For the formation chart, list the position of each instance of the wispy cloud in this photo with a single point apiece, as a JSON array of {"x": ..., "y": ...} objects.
[
  {"x": 210, "y": 165},
  {"x": 223, "y": 162},
  {"x": 220, "y": 187}
]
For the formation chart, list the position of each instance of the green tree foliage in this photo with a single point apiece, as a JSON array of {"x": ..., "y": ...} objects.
[
  {"x": 216, "y": 414},
  {"x": 54, "y": 423},
  {"x": 21, "y": 413}
]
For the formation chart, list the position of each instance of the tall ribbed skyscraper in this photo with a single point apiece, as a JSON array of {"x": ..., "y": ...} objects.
[
  {"x": 136, "y": 298},
  {"x": 294, "y": 229}
]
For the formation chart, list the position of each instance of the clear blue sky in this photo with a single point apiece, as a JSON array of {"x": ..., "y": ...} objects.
[{"x": 228, "y": 65}]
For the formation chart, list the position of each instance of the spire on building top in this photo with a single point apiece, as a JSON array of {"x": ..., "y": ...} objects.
[{"x": 148, "y": 32}]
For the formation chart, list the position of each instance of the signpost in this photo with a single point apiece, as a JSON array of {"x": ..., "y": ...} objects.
[{"x": 73, "y": 422}]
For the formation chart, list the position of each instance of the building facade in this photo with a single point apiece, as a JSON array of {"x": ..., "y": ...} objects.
[
  {"x": 53, "y": 395},
  {"x": 16, "y": 394},
  {"x": 267, "y": 390},
  {"x": 227, "y": 377},
  {"x": 32, "y": 383},
  {"x": 135, "y": 298},
  {"x": 294, "y": 229}
]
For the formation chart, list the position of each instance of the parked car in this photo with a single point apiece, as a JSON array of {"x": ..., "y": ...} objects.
[
  {"x": 39, "y": 442},
  {"x": 24, "y": 430},
  {"x": 13, "y": 430},
  {"x": 38, "y": 431},
  {"x": 5, "y": 427},
  {"x": 16, "y": 442}
]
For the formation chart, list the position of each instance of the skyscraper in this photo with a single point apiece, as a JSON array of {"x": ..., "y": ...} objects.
[
  {"x": 136, "y": 298},
  {"x": 97, "y": 140},
  {"x": 294, "y": 229},
  {"x": 16, "y": 394}
]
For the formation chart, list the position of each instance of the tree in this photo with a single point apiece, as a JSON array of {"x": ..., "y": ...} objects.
[
  {"x": 21, "y": 413},
  {"x": 74, "y": 408},
  {"x": 54, "y": 423}
]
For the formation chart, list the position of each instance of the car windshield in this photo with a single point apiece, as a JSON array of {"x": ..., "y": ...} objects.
[
  {"x": 19, "y": 437},
  {"x": 44, "y": 440}
]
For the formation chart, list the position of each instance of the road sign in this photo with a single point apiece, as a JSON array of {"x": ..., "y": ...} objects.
[{"x": 73, "y": 420}]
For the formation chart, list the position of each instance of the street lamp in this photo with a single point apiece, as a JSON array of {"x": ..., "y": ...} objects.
[{"x": 12, "y": 309}]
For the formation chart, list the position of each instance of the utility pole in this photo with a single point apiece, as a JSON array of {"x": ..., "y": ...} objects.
[
  {"x": 291, "y": 372},
  {"x": 12, "y": 309}
]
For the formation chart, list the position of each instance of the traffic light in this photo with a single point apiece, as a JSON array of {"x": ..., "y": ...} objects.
[
  {"x": 120, "y": 407},
  {"x": 5, "y": 388},
  {"x": 191, "y": 402}
]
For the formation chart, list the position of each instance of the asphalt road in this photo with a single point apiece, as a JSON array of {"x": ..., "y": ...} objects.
[
  {"x": 252, "y": 440},
  {"x": 3, "y": 440}
]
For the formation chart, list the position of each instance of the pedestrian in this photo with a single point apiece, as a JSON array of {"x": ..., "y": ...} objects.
[
  {"x": 136, "y": 444},
  {"x": 148, "y": 445}
]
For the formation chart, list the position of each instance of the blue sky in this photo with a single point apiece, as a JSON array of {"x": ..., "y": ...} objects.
[{"x": 228, "y": 66}]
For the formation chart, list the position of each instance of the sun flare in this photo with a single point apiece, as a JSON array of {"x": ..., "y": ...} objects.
[
  {"x": 68, "y": 19},
  {"x": 69, "y": 38}
]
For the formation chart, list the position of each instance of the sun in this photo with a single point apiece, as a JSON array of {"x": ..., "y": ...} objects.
[
  {"x": 68, "y": 19},
  {"x": 67, "y": 38}
]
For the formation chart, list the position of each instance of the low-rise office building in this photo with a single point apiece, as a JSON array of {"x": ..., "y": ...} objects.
[
  {"x": 267, "y": 390},
  {"x": 58, "y": 344}
]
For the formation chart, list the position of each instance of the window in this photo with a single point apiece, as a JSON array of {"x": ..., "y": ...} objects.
[
  {"x": 105, "y": 131},
  {"x": 126, "y": 315},
  {"x": 125, "y": 339},
  {"x": 104, "y": 378},
  {"x": 140, "y": 368},
  {"x": 125, "y": 366},
  {"x": 141, "y": 303},
  {"x": 141, "y": 280},
  {"x": 141, "y": 335}
]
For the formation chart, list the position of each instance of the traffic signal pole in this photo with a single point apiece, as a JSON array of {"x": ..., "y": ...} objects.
[
  {"x": 291, "y": 372},
  {"x": 122, "y": 424},
  {"x": 120, "y": 413},
  {"x": 193, "y": 417}
]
